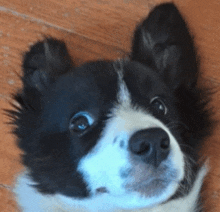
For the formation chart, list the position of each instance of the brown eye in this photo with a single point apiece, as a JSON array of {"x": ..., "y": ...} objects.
[
  {"x": 159, "y": 106},
  {"x": 80, "y": 122}
]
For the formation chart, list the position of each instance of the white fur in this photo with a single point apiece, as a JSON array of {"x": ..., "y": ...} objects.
[{"x": 32, "y": 201}]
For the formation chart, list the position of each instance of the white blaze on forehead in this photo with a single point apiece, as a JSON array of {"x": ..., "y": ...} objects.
[{"x": 123, "y": 96}]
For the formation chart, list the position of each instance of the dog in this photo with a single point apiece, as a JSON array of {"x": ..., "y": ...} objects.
[{"x": 120, "y": 135}]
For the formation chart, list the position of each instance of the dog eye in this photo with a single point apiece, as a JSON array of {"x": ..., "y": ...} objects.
[
  {"x": 159, "y": 106},
  {"x": 81, "y": 122}
]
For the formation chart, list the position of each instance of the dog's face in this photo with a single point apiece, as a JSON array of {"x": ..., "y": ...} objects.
[
  {"x": 136, "y": 155},
  {"x": 114, "y": 131},
  {"x": 127, "y": 130}
]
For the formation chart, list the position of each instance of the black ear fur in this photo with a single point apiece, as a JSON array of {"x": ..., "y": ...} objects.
[
  {"x": 44, "y": 62},
  {"x": 163, "y": 42}
]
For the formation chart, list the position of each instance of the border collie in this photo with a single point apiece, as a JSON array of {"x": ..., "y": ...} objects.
[{"x": 114, "y": 135}]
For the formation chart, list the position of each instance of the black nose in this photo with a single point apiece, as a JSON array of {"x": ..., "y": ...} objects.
[{"x": 151, "y": 145}]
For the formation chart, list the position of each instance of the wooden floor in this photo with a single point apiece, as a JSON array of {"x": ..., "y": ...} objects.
[{"x": 97, "y": 29}]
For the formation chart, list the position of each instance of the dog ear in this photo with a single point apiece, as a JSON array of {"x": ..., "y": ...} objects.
[
  {"x": 163, "y": 42},
  {"x": 44, "y": 62}
]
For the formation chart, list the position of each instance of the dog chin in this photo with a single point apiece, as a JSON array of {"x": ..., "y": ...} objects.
[
  {"x": 152, "y": 193},
  {"x": 154, "y": 187},
  {"x": 142, "y": 192},
  {"x": 146, "y": 195}
]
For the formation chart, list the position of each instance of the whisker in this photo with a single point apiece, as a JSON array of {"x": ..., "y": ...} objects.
[
  {"x": 187, "y": 146},
  {"x": 176, "y": 124}
]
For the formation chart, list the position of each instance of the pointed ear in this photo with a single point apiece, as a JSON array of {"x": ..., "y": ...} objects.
[
  {"x": 163, "y": 42},
  {"x": 44, "y": 62}
]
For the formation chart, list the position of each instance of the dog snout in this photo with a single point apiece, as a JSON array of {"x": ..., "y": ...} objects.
[{"x": 151, "y": 145}]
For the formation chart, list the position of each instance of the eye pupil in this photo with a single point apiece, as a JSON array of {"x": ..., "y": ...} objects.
[
  {"x": 159, "y": 106},
  {"x": 80, "y": 122}
]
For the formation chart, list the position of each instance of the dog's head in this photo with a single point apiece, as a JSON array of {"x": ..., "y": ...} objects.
[{"x": 129, "y": 130}]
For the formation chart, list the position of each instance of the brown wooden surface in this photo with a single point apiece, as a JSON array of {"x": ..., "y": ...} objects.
[{"x": 97, "y": 29}]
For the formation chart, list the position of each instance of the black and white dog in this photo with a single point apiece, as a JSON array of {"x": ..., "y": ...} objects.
[{"x": 114, "y": 135}]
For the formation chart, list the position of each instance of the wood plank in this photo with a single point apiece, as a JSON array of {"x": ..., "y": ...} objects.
[
  {"x": 111, "y": 22},
  {"x": 19, "y": 34},
  {"x": 7, "y": 203},
  {"x": 102, "y": 21}
]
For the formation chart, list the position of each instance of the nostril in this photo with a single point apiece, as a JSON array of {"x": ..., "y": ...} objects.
[
  {"x": 144, "y": 148},
  {"x": 165, "y": 143}
]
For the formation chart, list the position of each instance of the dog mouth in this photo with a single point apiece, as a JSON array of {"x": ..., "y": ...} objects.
[
  {"x": 101, "y": 190},
  {"x": 150, "y": 188}
]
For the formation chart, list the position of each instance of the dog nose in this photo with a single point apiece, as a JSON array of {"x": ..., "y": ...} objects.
[{"x": 151, "y": 145}]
